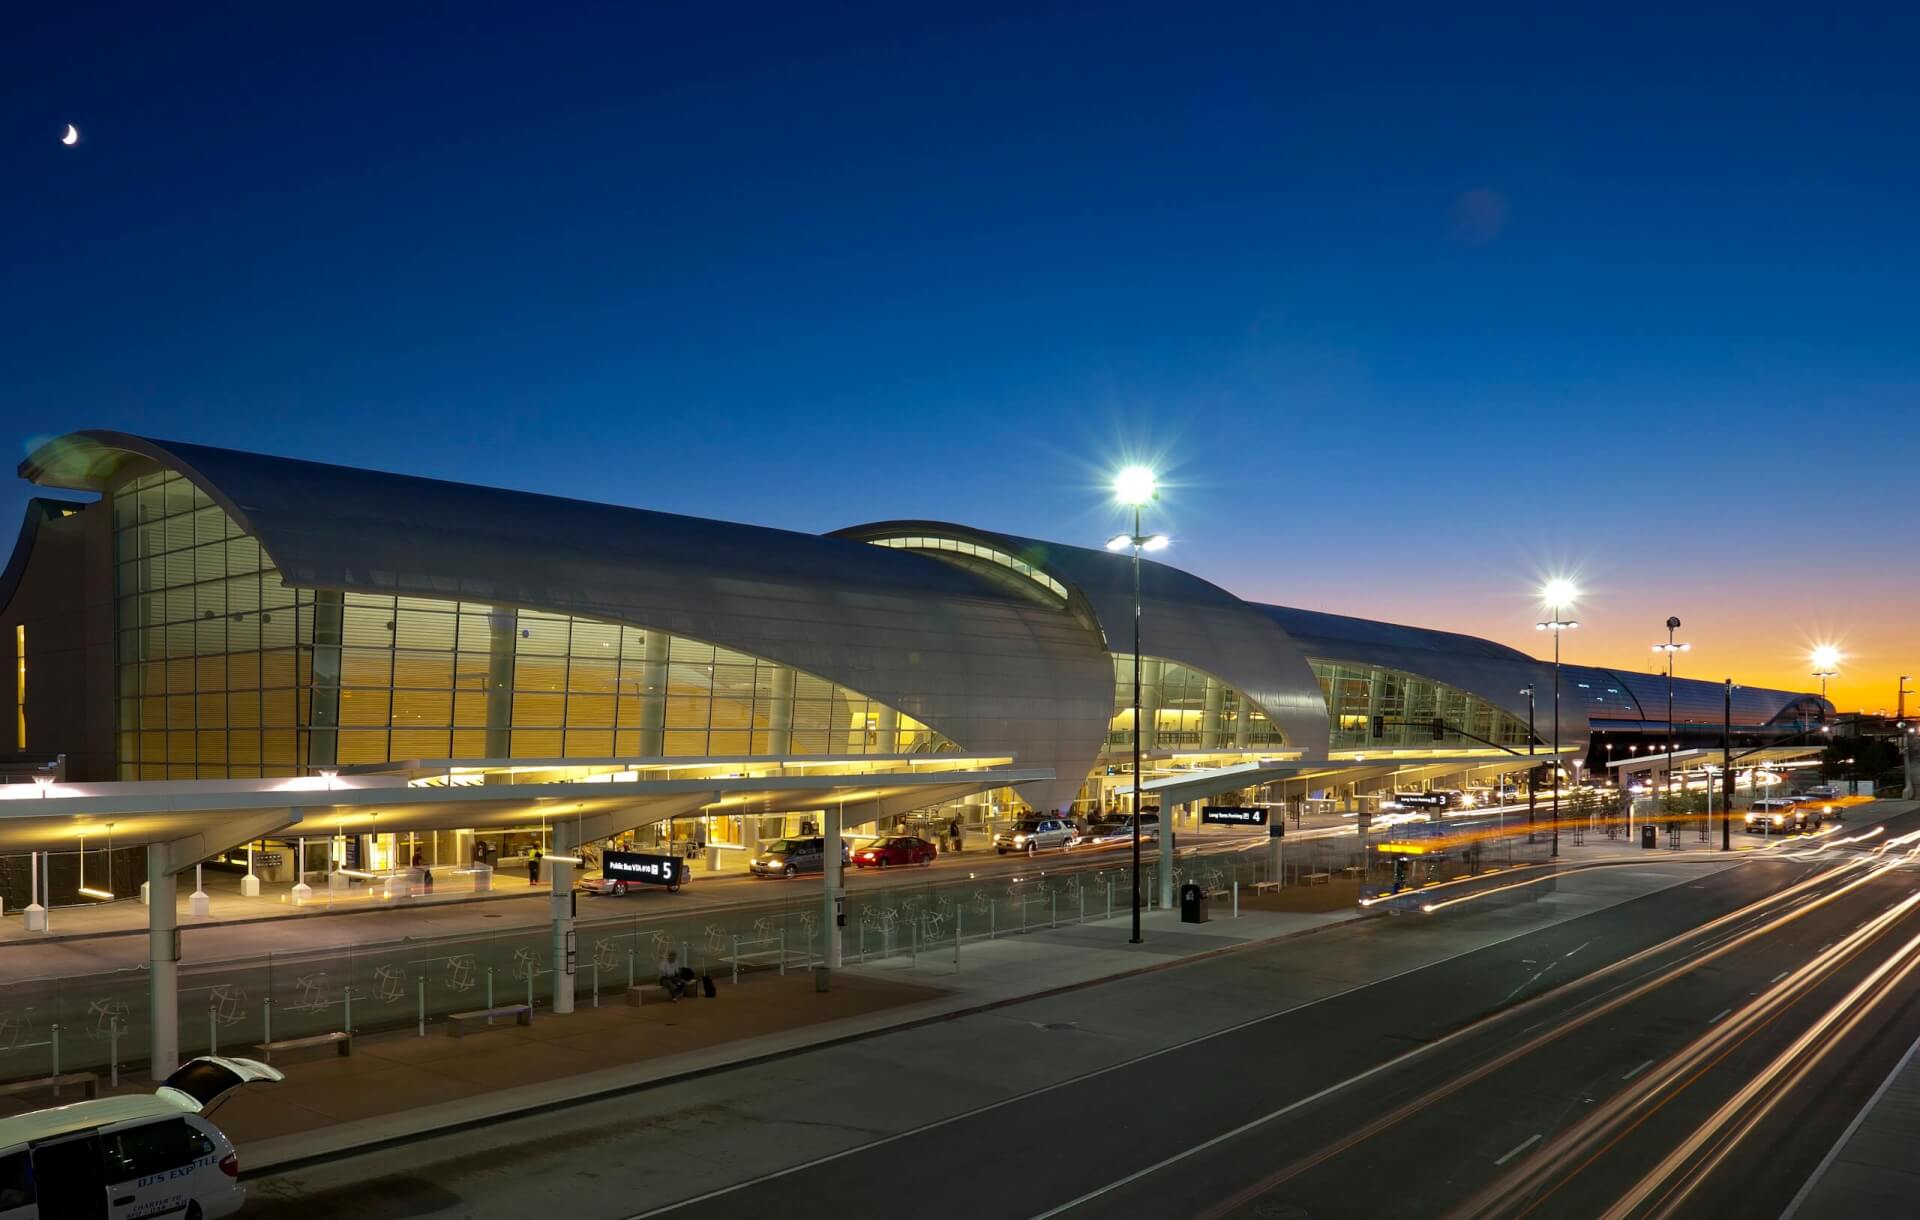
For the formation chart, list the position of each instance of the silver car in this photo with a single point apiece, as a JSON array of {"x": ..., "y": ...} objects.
[{"x": 1033, "y": 835}]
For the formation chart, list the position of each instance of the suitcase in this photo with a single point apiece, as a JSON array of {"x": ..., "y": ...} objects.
[{"x": 706, "y": 986}]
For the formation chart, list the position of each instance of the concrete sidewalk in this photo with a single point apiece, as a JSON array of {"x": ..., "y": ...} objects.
[
  {"x": 397, "y": 1086},
  {"x": 1872, "y": 1170}
]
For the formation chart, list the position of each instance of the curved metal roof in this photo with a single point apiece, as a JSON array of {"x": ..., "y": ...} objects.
[
  {"x": 1182, "y": 618},
  {"x": 993, "y": 671}
]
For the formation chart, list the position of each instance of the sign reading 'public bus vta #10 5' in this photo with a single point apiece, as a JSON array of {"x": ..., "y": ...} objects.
[
  {"x": 1232, "y": 815},
  {"x": 633, "y": 866}
]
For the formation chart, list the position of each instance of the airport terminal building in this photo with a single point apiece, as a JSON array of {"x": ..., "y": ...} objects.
[{"x": 211, "y": 614}]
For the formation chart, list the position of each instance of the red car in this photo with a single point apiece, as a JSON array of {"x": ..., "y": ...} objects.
[{"x": 895, "y": 849}]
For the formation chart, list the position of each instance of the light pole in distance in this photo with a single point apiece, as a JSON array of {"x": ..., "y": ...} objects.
[
  {"x": 1826, "y": 662},
  {"x": 1135, "y": 487},
  {"x": 1558, "y": 594},
  {"x": 1670, "y": 647}
]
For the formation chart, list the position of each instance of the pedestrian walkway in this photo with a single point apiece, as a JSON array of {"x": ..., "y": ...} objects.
[
  {"x": 400, "y": 1085},
  {"x": 1871, "y": 1170}
]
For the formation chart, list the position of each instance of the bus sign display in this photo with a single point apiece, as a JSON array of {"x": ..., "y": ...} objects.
[{"x": 635, "y": 866}]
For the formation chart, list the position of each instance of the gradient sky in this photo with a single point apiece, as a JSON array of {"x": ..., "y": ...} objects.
[{"x": 1413, "y": 305}]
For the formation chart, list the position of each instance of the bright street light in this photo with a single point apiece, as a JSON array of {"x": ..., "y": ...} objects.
[
  {"x": 1135, "y": 485},
  {"x": 1559, "y": 592}
]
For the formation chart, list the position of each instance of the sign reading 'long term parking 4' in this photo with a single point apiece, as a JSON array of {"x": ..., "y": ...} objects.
[
  {"x": 632, "y": 866},
  {"x": 1232, "y": 815}
]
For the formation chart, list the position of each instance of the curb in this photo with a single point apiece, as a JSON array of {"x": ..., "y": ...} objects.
[{"x": 382, "y": 1143}]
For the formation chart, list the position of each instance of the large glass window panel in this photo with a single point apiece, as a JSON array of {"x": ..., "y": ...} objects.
[
  {"x": 420, "y": 743},
  {"x": 682, "y": 744},
  {"x": 536, "y": 711},
  {"x": 365, "y": 667},
  {"x": 593, "y": 675},
  {"x": 541, "y": 635},
  {"x": 420, "y": 630},
  {"x": 541, "y": 674},
  {"x": 589, "y": 743},
  {"x": 589, "y": 711},
  {"x": 536, "y": 743},
  {"x": 423, "y": 670},
  {"x": 416, "y": 708},
  {"x": 362, "y": 746}
]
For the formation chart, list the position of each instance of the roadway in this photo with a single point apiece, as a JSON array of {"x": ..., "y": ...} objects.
[{"x": 1690, "y": 1045}]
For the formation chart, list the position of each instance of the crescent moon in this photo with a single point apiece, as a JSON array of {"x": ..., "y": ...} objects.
[{"x": 72, "y": 136}]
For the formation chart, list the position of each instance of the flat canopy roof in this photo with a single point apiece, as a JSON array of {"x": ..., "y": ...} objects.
[
  {"x": 1753, "y": 756},
  {"x": 226, "y": 813},
  {"x": 1194, "y": 785}
]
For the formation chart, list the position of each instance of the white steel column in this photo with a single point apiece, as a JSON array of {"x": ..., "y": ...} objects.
[
  {"x": 163, "y": 961},
  {"x": 561, "y": 904},
  {"x": 835, "y": 879},
  {"x": 1166, "y": 853}
]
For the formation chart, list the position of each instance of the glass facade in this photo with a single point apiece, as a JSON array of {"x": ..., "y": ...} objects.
[
  {"x": 1357, "y": 693},
  {"x": 224, "y": 671},
  {"x": 1185, "y": 709}
]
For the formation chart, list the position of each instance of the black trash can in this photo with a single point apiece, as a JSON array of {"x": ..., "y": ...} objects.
[
  {"x": 1647, "y": 835},
  {"x": 1193, "y": 903}
]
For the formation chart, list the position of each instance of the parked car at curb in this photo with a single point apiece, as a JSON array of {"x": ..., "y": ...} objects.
[{"x": 895, "y": 851}]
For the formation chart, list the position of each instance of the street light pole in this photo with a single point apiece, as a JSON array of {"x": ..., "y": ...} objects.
[
  {"x": 1135, "y": 486},
  {"x": 1532, "y": 776},
  {"x": 1726, "y": 774},
  {"x": 1673, "y": 625},
  {"x": 1558, "y": 593}
]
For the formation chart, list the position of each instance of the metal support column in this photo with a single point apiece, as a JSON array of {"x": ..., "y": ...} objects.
[
  {"x": 560, "y": 870},
  {"x": 163, "y": 962}
]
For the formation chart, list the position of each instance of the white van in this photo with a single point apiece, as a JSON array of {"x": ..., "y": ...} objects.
[{"x": 127, "y": 1158}]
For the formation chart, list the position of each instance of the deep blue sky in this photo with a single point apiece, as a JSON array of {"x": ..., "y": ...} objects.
[{"x": 1414, "y": 303}]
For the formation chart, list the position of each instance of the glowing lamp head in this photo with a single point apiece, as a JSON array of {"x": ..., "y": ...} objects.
[
  {"x": 1826, "y": 657},
  {"x": 1134, "y": 485},
  {"x": 1559, "y": 592}
]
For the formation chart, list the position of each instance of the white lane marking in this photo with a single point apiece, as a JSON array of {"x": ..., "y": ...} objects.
[
  {"x": 1571, "y": 952},
  {"x": 1524, "y": 1144},
  {"x": 1635, "y": 1072},
  {"x": 1715, "y": 1020},
  {"x": 722, "y": 1191},
  {"x": 1530, "y": 982},
  {"x": 1776, "y": 978}
]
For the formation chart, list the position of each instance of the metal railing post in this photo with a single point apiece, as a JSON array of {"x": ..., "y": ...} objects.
[
  {"x": 630, "y": 953},
  {"x": 421, "y": 1008},
  {"x": 956, "y": 938},
  {"x": 783, "y": 953},
  {"x": 489, "y": 994},
  {"x": 113, "y": 1052},
  {"x": 1109, "y": 897},
  {"x": 1053, "y": 920},
  {"x": 56, "y": 1056},
  {"x": 213, "y": 1037},
  {"x": 267, "y": 1017},
  {"x": 1236, "y": 898},
  {"x": 596, "y": 982},
  {"x": 346, "y": 999},
  {"x": 736, "y": 958}
]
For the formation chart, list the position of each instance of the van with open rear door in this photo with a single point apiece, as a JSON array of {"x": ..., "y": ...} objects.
[{"x": 129, "y": 1158}]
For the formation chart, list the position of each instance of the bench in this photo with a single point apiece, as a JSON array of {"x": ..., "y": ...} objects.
[
  {"x": 89, "y": 1083},
  {"x": 1319, "y": 878},
  {"x": 522, "y": 1014},
  {"x": 1261, "y": 887},
  {"x": 339, "y": 1039},
  {"x": 641, "y": 993}
]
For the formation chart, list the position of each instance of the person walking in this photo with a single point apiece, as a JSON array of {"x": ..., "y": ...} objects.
[
  {"x": 955, "y": 834},
  {"x": 426, "y": 874},
  {"x": 533, "y": 866}
]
